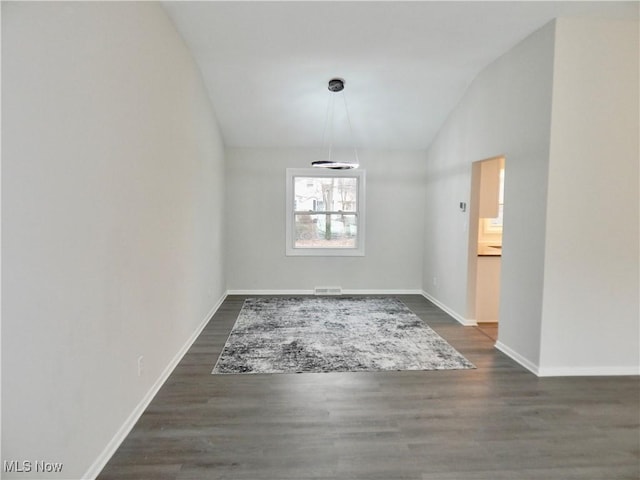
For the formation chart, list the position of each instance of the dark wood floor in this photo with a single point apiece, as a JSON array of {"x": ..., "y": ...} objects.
[
  {"x": 498, "y": 422},
  {"x": 489, "y": 329}
]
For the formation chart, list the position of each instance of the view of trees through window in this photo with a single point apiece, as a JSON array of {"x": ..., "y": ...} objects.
[{"x": 326, "y": 212}]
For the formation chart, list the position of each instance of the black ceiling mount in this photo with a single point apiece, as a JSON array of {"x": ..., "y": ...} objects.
[{"x": 336, "y": 84}]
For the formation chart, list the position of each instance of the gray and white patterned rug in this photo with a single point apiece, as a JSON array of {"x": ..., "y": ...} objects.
[{"x": 333, "y": 334}]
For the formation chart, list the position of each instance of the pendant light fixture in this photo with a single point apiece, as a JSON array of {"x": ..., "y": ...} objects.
[{"x": 336, "y": 85}]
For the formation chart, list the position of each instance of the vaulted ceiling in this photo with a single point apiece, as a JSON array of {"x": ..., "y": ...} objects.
[{"x": 406, "y": 64}]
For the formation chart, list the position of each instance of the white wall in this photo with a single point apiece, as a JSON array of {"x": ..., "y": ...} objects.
[
  {"x": 112, "y": 217},
  {"x": 590, "y": 312},
  {"x": 488, "y": 288},
  {"x": 562, "y": 106},
  {"x": 256, "y": 224},
  {"x": 506, "y": 111}
]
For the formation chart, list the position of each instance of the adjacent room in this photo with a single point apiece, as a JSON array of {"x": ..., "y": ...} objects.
[{"x": 320, "y": 240}]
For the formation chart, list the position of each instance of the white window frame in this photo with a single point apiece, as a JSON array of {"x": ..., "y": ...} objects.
[{"x": 291, "y": 250}]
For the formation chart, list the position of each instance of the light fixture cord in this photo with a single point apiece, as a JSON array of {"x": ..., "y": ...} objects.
[
  {"x": 346, "y": 109},
  {"x": 328, "y": 121}
]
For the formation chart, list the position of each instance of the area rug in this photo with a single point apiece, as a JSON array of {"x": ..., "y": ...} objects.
[{"x": 333, "y": 334}]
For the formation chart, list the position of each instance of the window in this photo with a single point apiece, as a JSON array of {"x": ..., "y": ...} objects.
[{"x": 325, "y": 212}]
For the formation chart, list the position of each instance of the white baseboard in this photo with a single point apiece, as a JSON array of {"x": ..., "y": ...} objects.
[
  {"x": 311, "y": 292},
  {"x": 382, "y": 292},
  {"x": 467, "y": 322},
  {"x": 595, "y": 371},
  {"x": 588, "y": 371},
  {"x": 97, "y": 466},
  {"x": 270, "y": 292},
  {"x": 526, "y": 363}
]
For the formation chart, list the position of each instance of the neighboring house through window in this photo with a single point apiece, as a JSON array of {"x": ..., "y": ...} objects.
[{"x": 325, "y": 212}]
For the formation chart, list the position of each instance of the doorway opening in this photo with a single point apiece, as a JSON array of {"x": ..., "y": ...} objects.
[{"x": 485, "y": 244}]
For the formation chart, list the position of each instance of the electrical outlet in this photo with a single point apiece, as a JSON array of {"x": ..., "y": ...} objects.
[{"x": 140, "y": 365}]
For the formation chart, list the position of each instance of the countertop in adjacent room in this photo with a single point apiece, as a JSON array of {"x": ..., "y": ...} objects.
[{"x": 489, "y": 250}]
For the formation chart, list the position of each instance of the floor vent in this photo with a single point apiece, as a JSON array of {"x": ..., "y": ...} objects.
[{"x": 327, "y": 291}]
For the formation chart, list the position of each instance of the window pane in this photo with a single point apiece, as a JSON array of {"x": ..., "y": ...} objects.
[
  {"x": 325, "y": 194},
  {"x": 325, "y": 231},
  {"x": 325, "y": 212}
]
